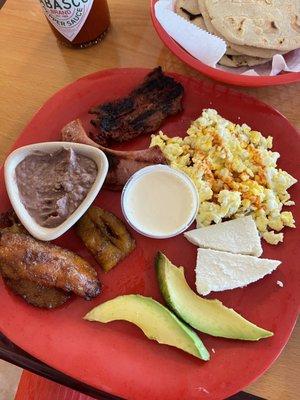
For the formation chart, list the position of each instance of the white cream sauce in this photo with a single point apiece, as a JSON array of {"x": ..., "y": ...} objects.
[{"x": 160, "y": 202}]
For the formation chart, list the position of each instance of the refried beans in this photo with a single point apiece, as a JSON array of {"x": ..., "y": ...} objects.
[{"x": 53, "y": 185}]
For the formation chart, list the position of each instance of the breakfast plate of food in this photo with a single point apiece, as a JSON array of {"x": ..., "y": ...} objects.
[
  {"x": 225, "y": 39},
  {"x": 148, "y": 219}
]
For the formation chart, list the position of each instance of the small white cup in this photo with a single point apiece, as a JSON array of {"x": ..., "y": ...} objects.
[{"x": 131, "y": 182}]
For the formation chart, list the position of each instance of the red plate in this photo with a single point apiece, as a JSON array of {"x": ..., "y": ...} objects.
[
  {"x": 117, "y": 357},
  {"x": 214, "y": 73}
]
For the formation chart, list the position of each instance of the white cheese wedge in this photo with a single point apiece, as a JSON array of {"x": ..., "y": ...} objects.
[
  {"x": 239, "y": 236},
  {"x": 219, "y": 270}
]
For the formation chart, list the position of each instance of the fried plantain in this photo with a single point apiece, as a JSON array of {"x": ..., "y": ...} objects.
[
  {"x": 23, "y": 257},
  {"x": 105, "y": 236},
  {"x": 45, "y": 275},
  {"x": 37, "y": 295}
]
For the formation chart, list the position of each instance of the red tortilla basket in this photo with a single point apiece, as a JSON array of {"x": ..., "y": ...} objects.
[{"x": 214, "y": 73}]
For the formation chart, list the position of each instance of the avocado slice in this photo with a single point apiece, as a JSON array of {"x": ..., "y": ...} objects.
[
  {"x": 155, "y": 320},
  {"x": 208, "y": 316}
]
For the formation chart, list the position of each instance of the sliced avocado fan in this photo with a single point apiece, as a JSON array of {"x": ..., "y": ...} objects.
[
  {"x": 208, "y": 316},
  {"x": 155, "y": 320}
]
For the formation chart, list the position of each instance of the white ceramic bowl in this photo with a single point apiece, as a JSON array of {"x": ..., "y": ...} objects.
[
  {"x": 179, "y": 174},
  {"x": 30, "y": 224}
]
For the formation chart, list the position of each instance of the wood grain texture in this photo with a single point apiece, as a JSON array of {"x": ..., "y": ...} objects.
[{"x": 33, "y": 66}]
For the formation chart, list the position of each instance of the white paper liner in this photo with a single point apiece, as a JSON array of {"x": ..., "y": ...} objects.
[
  {"x": 188, "y": 35},
  {"x": 209, "y": 48}
]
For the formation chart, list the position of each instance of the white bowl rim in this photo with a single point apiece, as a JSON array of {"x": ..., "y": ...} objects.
[
  {"x": 14, "y": 158},
  {"x": 177, "y": 172}
]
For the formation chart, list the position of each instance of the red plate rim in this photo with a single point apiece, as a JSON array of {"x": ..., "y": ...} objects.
[{"x": 222, "y": 76}]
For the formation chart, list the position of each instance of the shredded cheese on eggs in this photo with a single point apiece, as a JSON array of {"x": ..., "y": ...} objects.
[{"x": 235, "y": 173}]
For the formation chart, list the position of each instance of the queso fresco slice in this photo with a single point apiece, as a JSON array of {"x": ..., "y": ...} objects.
[
  {"x": 238, "y": 236},
  {"x": 218, "y": 270},
  {"x": 155, "y": 320}
]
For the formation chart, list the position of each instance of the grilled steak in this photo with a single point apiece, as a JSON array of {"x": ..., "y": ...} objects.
[{"x": 142, "y": 111}]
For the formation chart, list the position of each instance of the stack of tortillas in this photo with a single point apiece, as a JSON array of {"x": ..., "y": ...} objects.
[{"x": 254, "y": 30}]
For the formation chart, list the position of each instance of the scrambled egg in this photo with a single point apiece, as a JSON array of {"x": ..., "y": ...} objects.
[{"x": 235, "y": 173}]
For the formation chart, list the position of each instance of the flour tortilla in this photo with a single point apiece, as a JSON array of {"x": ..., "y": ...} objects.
[
  {"x": 189, "y": 5},
  {"x": 235, "y": 49},
  {"x": 242, "y": 61},
  {"x": 209, "y": 27},
  {"x": 256, "y": 51},
  {"x": 268, "y": 24},
  {"x": 192, "y": 7}
]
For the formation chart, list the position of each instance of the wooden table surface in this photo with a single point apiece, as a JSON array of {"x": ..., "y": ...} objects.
[{"x": 33, "y": 67}]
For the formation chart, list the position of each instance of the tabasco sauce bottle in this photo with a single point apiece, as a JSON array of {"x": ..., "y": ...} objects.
[{"x": 77, "y": 23}]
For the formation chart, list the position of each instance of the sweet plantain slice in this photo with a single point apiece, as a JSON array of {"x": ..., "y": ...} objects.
[
  {"x": 37, "y": 295},
  {"x": 105, "y": 236}
]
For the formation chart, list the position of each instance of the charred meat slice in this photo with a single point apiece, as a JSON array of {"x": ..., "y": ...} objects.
[
  {"x": 142, "y": 111},
  {"x": 105, "y": 236},
  {"x": 122, "y": 164},
  {"x": 23, "y": 257},
  {"x": 37, "y": 295}
]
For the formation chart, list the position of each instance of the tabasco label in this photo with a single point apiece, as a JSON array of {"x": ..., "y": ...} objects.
[{"x": 67, "y": 16}]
